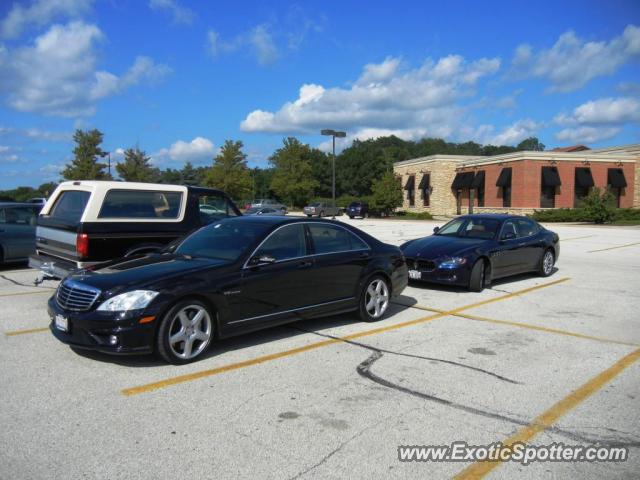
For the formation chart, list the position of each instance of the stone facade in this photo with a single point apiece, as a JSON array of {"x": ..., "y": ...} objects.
[{"x": 442, "y": 171}]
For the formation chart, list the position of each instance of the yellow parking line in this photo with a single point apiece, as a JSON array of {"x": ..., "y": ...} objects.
[
  {"x": 23, "y": 332},
  {"x": 613, "y": 248},
  {"x": 312, "y": 346},
  {"x": 24, "y": 293},
  {"x": 478, "y": 470},
  {"x": 526, "y": 325}
]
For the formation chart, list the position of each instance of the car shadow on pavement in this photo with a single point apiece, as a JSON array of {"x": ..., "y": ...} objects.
[{"x": 253, "y": 339}]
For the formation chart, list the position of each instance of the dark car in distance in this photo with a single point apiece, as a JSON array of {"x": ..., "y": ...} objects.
[
  {"x": 473, "y": 250},
  {"x": 358, "y": 209},
  {"x": 234, "y": 276},
  {"x": 17, "y": 231}
]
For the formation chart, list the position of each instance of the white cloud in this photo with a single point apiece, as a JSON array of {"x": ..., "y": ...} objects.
[
  {"x": 258, "y": 40},
  {"x": 57, "y": 74},
  {"x": 48, "y": 135},
  {"x": 4, "y": 149},
  {"x": 586, "y": 134},
  {"x": 598, "y": 120},
  {"x": 515, "y": 133},
  {"x": 40, "y": 13},
  {"x": 179, "y": 14},
  {"x": 199, "y": 150},
  {"x": 51, "y": 171},
  {"x": 572, "y": 62},
  {"x": 604, "y": 111},
  {"x": 385, "y": 98}
]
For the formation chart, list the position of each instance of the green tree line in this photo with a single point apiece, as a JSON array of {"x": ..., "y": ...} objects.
[{"x": 296, "y": 173}]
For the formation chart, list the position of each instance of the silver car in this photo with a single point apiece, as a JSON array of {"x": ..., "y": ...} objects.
[
  {"x": 263, "y": 211},
  {"x": 267, "y": 202},
  {"x": 321, "y": 209}
]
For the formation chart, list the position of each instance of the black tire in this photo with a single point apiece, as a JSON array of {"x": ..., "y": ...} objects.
[
  {"x": 167, "y": 326},
  {"x": 309, "y": 215},
  {"x": 283, "y": 211},
  {"x": 321, "y": 214},
  {"x": 547, "y": 261},
  {"x": 366, "y": 297},
  {"x": 476, "y": 279},
  {"x": 350, "y": 217}
]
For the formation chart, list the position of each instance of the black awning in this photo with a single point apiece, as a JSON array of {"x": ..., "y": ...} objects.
[
  {"x": 462, "y": 180},
  {"x": 478, "y": 180},
  {"x": 615, "y": 178},
  {"x": 411, "y": 183},
  {"x": 504, "y": 180},
  {"x": 584, "y": 178},
  {"x": 425, "y": 182},
  {"x": 550, "y": 177}
]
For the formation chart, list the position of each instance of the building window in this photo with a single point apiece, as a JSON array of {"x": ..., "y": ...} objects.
[
  {"x": 616, "y": 182},
  {"x": 478, "y": 184},
  {"x": 550, "y": 179},
  {"x": 506, "y": 196},
  {"x": 425, "y": 189},
  {"x": 504, "y": 181},
  {"x": 583, "y": 183},
  {"x": 410, "y": 187}
]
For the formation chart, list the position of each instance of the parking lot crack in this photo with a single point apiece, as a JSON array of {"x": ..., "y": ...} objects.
[
  {"x": 364, "y": 370},
  {"x": 31, "y": 285}
]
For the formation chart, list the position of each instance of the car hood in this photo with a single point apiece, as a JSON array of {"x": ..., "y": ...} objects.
[
  {"x": 437, "y": 246},
  {"x": 141, "y": 271}
]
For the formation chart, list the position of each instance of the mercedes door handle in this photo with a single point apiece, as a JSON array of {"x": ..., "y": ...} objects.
[
  {"x": 305, "y": 264},
  {"x": 365, "y": 255}
]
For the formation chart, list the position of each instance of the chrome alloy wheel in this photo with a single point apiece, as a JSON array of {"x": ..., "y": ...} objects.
[
  {"x": 377, "y": 298},
  {"x": 547, "y": 262},
  {"x": 190, "y": 332}
]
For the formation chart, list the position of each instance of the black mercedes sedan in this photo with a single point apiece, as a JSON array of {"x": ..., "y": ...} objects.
[
  {"x": 236, "y": 275},
  {"x": 472, "y": 250}
]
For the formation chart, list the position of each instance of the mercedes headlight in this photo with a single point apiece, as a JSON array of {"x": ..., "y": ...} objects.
[
  {"x": 134, "y": 300},
  {"x": 453, "y": 262}
]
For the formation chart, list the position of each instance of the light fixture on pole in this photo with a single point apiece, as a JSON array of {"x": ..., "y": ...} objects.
[{"x": 333, "y": 133}]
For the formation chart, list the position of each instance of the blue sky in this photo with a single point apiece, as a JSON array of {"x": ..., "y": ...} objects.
[{"x": 178, "y": 77}]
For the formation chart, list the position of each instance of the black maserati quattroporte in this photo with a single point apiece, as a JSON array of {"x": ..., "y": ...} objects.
[
  {"x": 234, "y": 276},
  {"x": 472, "y": 250}
]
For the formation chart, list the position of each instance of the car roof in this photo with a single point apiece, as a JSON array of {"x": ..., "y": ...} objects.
[
  {"x": 278, "y": 220},
  {"x": 494, "y": 216}
]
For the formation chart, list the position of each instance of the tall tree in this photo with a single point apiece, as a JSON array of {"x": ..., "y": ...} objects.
[
  {"x": 321, "y": 168},
  {"x": 136, "y": 167},
  {"x": 189, "y": 175},
  {"x": 387, "y": 193},
  {"x": 262, "y": 178},
  {"x": 170, "y": 175},
  {"x": 87, "y": 153},
  {"x": 531, "y": 144},
  {"x": 230, "y": 171},
  {"x": 292, "y": 180}
]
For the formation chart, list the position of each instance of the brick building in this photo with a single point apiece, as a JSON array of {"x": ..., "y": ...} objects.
[{"x": 519, "y": 182}]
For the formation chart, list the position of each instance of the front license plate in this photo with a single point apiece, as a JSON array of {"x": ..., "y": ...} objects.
[
  {"x": 415, "y": 274},
  {"x": 62, "y": 323}
]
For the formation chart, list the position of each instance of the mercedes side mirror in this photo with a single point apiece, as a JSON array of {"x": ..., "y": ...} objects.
[
  {"x": 436, "y": 229},
  {"x": 261, "y": 260}
]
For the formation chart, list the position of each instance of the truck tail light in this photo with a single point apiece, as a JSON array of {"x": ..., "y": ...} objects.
[{"x": 82, "y": 245}]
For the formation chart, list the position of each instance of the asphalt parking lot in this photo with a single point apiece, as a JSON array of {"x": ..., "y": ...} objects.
[{"x": 539, "y": 360}]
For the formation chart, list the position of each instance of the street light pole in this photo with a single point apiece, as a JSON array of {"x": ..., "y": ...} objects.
[{"x": 333, "y": 134}]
